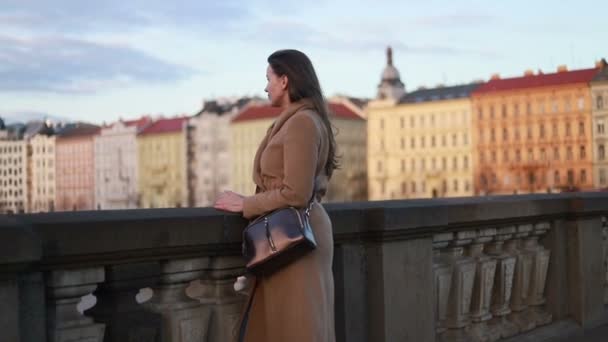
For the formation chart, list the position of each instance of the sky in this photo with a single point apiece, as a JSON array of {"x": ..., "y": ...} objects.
[{"x": 99, "y": 61}]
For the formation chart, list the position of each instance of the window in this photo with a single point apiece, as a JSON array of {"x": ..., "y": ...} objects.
[
  {"x": 568, "y": 129},
  {"x": 602, "y": 176},
  {"x": 402, "y": 143},
  {"x": 413, "y": 185},
  {"x": 412, "y": 142},
  {"x": 444, "y": 163},
  {"x": 569, "y": 153},
  {"x": 556, "y": 179},
  {"x": 433, "y": 141},
  {"x": 581, "y": 128},
  {"x": 504, "y": 110},
  {"x": 583, "y": 176},
  {"x": 402, "y": 165},
  {"x": 581, "y": 103},
  {"x": 454, "y": 139},
  {"x": 403, "y": 188},
  {"x": 492, "y": 112},
  {"x": 379, "y": 166},
  {"x": 599, "y": 102},
  {"x": 517, "y": 156},
  {"x": 505, "y": 134},
  {"x": 465, "y": 139},
  {"x": 480, "y": 112},
  {"x": 505, "y": 156},
  {"x": 601, "y": 152},
  {"x": 529, "y": 132},
  {"x": 543, "y": 154},
  {"x": 516, "y": 109},
  {"x": 422, "y": 142},
  {"x": 402, "y": 122},
  {"x": 582, "y": 153},
  {"x": 541, "y": 130},
  {"x": 455, "y": 185},
  {"x": 493, "y": 154},
  {"x": 600, "y": 127},
  {"x": 481, "y": 157},
  {"x": 465, "y": 162},
  {"x": 454, "y": 163},
  {"x": 412, "y": 122},
  {"x": 554, "y": 106},
  {"x": 528, "y": 108},
  {"x": 570, "y": 177},
  {"x": 443, "y": 141},
  {"x": 530, "y": 155},
  {"x": 492, "y": 135},
  {"x": 554, "y": 129}
]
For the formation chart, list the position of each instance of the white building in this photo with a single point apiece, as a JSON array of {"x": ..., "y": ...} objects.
[
  {"x": 209, "y": 159},
  {"x": 116, "y": 167},
  {"x": 13, "y": 175}
]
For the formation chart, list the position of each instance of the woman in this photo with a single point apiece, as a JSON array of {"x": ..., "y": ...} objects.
[{"x": 292, "y": 165}]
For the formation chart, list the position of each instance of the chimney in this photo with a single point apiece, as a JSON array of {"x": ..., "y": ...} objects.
[
  {"x": 495, "y": 76},
  {"x": 601, "y": 64},
  {"x": 562, "y": 68},
  {"x": 529, "y": 72}
]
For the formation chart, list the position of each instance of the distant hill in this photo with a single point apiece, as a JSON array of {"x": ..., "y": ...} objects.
[{"x": 23, "y": 117}]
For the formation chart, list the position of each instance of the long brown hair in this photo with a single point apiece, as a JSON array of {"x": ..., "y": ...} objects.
[{"x": 303, "y": 83}]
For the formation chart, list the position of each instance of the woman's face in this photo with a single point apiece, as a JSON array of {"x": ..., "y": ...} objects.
[{"x": 276, "y": 88}]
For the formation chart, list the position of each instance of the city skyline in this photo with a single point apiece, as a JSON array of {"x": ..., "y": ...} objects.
[{"x": 113, "y": 60}]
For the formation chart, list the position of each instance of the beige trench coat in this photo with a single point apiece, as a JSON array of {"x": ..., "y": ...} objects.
[{"x": 296, "y": 303}]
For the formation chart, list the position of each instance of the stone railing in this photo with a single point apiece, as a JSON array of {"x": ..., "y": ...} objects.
[{"x": 470, "y": 269}]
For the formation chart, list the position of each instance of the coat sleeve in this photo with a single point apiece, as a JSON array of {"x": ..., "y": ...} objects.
[{"x": 300, "y": 156}]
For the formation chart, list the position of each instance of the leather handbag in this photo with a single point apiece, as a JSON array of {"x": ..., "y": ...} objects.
[{"x": 275, "y": 239}]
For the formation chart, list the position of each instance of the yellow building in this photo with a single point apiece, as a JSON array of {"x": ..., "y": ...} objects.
[
  {"x": 420, "y": 146},
  {"x": 419, "y": 143},
  {"x": 599, "y": 105},
  {"x": 249, "y": 127},
  {"x": 42, "y": 168},
  {"x": 162, "y": 157}
]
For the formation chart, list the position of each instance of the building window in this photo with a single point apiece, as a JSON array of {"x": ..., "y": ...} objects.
[
  {"x": 541, "y": 130},
  {"x": 568, "y": 129},
  {"x": 543, "y": 154},
  {"x": 570, "y": 177},
  {"x": 601, "y": 152},
  {"x": 581, "y": 128},
  {"x": 402, "y": 122},
  {"x": 481, "y": 157},
  {"x": 465, "y": 139},
  {"x": 516, "y": 109},
  {"x": 403, "y": 188},
  {"x": 505, "y": 156},
  {"x": 554, "y": 106},
  {"x": 455, "y": 185},
  {"x": 433, "y": 166},
  {"x": 422, "y": 142},
  {"x": 529, "y": 132},
  {"x": 444, "y": 164},
  {"x": 528, "y": 108},
  {"x": 433, "y": 141},
  {"x": 454, "y": 139},
  {"x": 600, "y": 127},
  {"x": 379, "y": 166},
  {"x": 583, "y": 176},
  {"x": 554, "y": 129},
  {"x": 569, "y": 153},
  {"x": 412, "y": 142},
  {"x": 504, "y": 110},
  {"x": 530, "y": 155},
  {"x": 599, "y": 102},
  {"x": 505, "y": 134},
  {"x": 492, "y": 112},
  {"x": 492, "y": 135},
  {"x": 455, "y": 163},
  {"x": 517, "y": 156},
  {"x": 556, "y": 179},
  {"x": 480, "y": 112},
  {"x": 402, "y": 165},
  {"x": 493, "y": 154},
  {"x": 413, "y": 185},
  {"x": 602, "y": 176},
  {"x": 582, "y": 153},
  {"x": 402, "y": 143},
  {"x": 443, "y": 141},
  {"x": 581, "y": 103}
]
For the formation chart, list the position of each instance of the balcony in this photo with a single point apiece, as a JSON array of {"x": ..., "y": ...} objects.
[{"x": 468, "y": 269}]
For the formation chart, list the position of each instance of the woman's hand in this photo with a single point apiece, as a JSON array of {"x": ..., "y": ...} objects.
[{"x": 229, "y": 201}]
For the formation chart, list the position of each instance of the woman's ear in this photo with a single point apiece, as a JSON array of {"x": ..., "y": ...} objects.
[{"x": 284, "y": 82}]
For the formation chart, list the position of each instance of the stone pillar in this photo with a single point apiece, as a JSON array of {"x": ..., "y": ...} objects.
[
  {"x": 536, "y": 297},
  {"x": 521, "y": 279},
  {"x": 503, "y": 283},
  {"x": 482, "y": 289},
  {"x": 461, "y": 291},
  {"x": 65, "y": 289},
  {"x": 216, "y": 293},
  {"x": 183, "y": 319},
  {"x": 442, "y": 274},
  {"x": 126, "y": 320}
]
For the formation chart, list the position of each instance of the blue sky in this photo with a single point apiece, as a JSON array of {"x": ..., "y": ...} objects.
[{"x": 98, "y": 61}]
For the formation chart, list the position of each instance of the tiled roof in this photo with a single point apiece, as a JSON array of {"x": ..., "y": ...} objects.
[
  {"x": 139, "y": 123},
  {"x": 78, "y": 129},
  {"x": 538, "y": 80},
  {"x": 256, "y": 112},
  {"x": 165, "y": 126},
  {"x": 439, "y": 93}
]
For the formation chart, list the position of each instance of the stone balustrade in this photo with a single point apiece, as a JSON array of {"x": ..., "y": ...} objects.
[{"x": 470, "y": 269}]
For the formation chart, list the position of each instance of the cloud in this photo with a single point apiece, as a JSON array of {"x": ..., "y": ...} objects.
[
  {"x": 64, "y": 65},
  {"x": 298, "y": 33},
  {"x": 77, "y": 16},
  {"x": 460, "y": 20}
]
